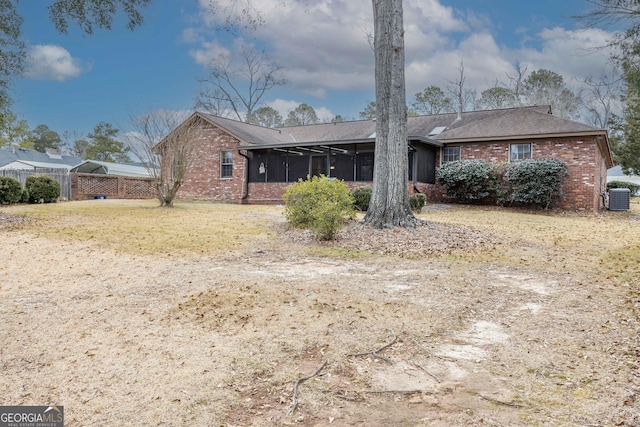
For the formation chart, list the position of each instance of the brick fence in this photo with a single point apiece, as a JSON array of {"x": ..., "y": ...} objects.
[{"x": 86, "y": 186}]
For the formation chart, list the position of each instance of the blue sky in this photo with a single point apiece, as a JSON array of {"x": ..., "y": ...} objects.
[{"x": 75, "y": 81}]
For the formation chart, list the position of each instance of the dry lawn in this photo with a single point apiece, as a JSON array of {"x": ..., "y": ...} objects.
[{"x": 212, "y": 314}]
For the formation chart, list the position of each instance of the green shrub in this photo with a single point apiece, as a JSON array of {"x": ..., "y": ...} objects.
[
  {"x": 417, "y": 201},
  {"x": 362, "y": 198},
  {"x": 465, "y": 180},
  {"x": 634, "y": 188},
  {"x": 319, "y": 204},
  {"x": 24, "y": 197},
  {"x": 42, "y": 189},
  {"x": 10, "y": 190},
  {"x": 537, "y": 182}
]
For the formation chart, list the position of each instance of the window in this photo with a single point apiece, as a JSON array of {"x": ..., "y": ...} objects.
[
  {"x": 450, "y": 154},
  {"x": 226, "y": 164},
  {"x": 519, "y": 152}
]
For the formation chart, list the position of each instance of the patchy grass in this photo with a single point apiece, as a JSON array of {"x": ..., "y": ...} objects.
[
  {"x": 572, "y": 241},
  {"x": 136, "y": 226},
  {"x": 208, "y": 313}
]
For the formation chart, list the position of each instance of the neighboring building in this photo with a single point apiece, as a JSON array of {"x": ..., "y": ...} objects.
[
  {"x": 26, "y": 159},
  {"x": 244, "y": 163}
]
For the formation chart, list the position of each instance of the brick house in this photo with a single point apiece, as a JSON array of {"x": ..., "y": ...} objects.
[{"x": 244, "y": 163}]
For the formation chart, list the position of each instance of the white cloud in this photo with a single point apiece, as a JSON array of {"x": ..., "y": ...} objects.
[
  {"x": 51, "y": 62},
  {"x": 207, "y": 52},
  {"x": 574, "y": 54},
  {"x": 323, "y": 45}
]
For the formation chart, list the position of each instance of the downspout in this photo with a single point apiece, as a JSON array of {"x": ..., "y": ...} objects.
[{"x": 245, "y": 183}]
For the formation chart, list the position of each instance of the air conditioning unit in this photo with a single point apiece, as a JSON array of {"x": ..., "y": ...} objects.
[{"x": 619, "y": 199}]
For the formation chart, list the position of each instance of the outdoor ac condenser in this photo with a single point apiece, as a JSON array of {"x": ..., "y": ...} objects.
[{"x": 619, "y": 199}]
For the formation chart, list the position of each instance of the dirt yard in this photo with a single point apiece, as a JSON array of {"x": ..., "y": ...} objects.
[{"x": 480, "y": 317}]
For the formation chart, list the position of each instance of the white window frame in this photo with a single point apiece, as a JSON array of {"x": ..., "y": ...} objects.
[
  {"x": 226, "y": 161},
  {"x": 518, "y": 155},
  {"x": 444, "y": 160}
]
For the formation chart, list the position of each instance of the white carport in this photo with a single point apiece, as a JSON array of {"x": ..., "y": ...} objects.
[{"x": 107, "y": 168}]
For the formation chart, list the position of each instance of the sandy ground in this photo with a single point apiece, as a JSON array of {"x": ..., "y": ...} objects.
[{"x": 121, "y": 339}]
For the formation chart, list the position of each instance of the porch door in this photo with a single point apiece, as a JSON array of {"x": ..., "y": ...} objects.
[{"x": 319, "y": 165}]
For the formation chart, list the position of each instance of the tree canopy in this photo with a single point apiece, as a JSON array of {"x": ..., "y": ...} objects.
[
  {"x": 267, "y": 117},
  {"x": 44, "y": 138},
  {"x": 432, "y": 100},
  {"x": 104, "y": 147},
  {"x": 303, "y": 114}
]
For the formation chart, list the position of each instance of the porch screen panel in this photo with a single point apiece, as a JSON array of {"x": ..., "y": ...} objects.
[
  {"x": 425, "y": 156},
  {"x": 342, "y": 166},
  {"x": 364, "y": 166},
  {"x": 298, "y": 166},
  {"x": 277, "y": 166},
  {"x": 257, "y": 159}
]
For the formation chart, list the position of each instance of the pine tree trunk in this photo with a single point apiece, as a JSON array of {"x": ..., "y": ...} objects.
[{"x": 389, "y": 206}]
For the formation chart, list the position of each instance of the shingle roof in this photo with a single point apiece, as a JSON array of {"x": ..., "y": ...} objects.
[
  {"x": 506, "y": 123},
  {"x": 11, "y": 154}
]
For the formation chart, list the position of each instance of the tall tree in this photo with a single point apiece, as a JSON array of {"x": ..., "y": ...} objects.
[
  {"x": 369, "y": 111},
  {"x": 303, "y": 114},
  {"x": 618, "y": 14},
  {"x": 267, "y": 117},
  {"x": 517, "y": 82},
  {"x": 545, "y": 87},
  {"x": 12, "y": 51},
  {"x": 626, "y": 140},
  {"x": 166, "y": 144},
  {"x": 103, "y": 145},
  {"x": 238, "y": 87},
  {"x": 44, "y": 138},
  {"x": 74, "y": 143},
  {"x": 432, "y": 100},
  {"x": 464, "y": 99},
  {"x": 389, "y": 206},
  {"x": 602, "y": 99}
]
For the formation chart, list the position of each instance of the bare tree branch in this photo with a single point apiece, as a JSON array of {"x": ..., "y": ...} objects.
[
  {"x": 166, "y": 145},
  {"x": 239, "y": 89}
]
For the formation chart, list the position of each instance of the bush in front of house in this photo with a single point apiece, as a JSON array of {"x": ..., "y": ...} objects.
[
  {"x": 42, "y": 189},
  {"x": 10, "y": 190},
  {"x": 320, "y": 204},
  {"x": 466, "y": 180},
  {"x": 361, "y": 198},
  {"x": 536, "y": 182},
  {"x": 634, "y": 188},
  {"x": 24, "y": 197},
  {"x": 417, "y": 202}
]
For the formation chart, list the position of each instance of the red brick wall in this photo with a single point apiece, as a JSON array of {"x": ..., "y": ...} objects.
[
  {"x": 86, "y": 186},
  {"x": 203, "y": 181},
  {"x": 587, "y": 171}
]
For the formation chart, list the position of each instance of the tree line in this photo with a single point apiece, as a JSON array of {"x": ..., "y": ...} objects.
[{"x": 102, "y": 144}]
